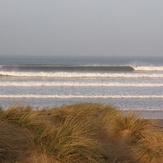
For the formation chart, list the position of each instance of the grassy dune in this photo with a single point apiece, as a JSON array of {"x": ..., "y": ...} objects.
[{"x": 78, "y": 133}]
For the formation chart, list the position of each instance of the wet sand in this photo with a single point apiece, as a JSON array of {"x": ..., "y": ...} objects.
[
  {"x": 148, "y": 114},
  {"x": 155, "y": 116}
]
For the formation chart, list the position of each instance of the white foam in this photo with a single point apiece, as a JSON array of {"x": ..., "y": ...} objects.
[
  {"x": 78, "y": 84},
  {"x": 80, "y": 75},
  {"x": 81, "y": 96},
  {"x": 148, "y": 68}
]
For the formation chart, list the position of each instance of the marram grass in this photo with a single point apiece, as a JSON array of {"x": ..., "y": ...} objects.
[
  {"x": 130, "y": 126},
  {"x": 149, "y": 149},
  {"x": 78, "y": 133}
]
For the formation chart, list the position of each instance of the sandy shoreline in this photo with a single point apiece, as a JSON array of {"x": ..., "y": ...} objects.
[
  {"x": 155, "y": 116},
  {"x": 148, "y": 114}
]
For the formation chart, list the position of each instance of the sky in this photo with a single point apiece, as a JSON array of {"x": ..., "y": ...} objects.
[{"x": 81, "y": 27}]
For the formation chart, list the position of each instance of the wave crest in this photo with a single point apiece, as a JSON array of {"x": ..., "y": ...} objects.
[
  {"x": 79, "y": 74},
  {"x": 148, "y": 68}
]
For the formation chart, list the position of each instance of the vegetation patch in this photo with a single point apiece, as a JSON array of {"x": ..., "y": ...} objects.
[{"x": 78, "y": 133}]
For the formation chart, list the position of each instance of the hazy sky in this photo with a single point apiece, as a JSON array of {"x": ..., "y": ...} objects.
[{"x": 81, "y": 27}]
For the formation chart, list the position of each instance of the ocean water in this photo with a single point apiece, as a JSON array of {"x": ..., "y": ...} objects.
[{"x": 125, "y": 82}]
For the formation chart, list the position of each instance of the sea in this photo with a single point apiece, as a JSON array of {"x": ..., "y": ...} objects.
[{"x": 53, "y": 81}]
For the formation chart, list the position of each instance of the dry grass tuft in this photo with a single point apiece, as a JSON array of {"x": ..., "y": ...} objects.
[
  {"x": 149, "y": 149},
  {"x": 131, "y": 127},
  {"x": 72, "y": 141},
  {"x": 78, "y": 133},
  {"x": 40, "y": 157}
]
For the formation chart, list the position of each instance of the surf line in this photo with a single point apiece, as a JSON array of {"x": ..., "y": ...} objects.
[
  {"x": 77, "y": 84},
  {"x": 81, "y": 96}
]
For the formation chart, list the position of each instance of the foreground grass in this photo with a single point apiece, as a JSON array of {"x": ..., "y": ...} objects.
[{"x": 78, "y": 133}]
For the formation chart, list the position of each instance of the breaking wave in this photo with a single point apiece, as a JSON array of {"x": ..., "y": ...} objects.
[
  {"x": 80, "y": 96},
  {"x": 78, "y": 84},
  {"x": 148, "y": 68},
  {"x": 80, "y": 74}
]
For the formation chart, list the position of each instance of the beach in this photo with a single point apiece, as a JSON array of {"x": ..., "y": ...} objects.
[
  {"x": 98, "y": 110},
  {"x": 81, "y": 81},
  {"x": 148, "y": 114}
]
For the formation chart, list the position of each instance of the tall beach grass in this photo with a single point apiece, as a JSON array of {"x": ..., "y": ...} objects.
[{"x": 78, "y": 133}]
